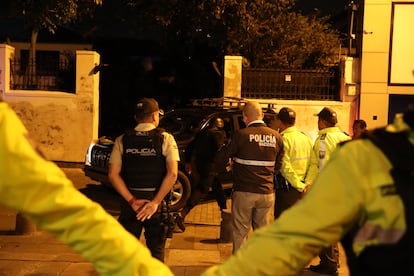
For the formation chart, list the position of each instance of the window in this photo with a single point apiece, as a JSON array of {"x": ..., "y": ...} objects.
[{"x": 402, "y": 43}]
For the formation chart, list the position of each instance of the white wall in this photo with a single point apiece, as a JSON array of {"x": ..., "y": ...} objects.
[{"x": 63, "y": 124}]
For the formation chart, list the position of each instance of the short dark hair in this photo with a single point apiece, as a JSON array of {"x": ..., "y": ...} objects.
[
  {"x": 328, "y": 115},
  {"x": 287, "y": 116},
  {"x": 362, "y": 124}
]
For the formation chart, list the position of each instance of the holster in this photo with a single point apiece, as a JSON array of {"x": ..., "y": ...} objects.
[
  {"x": 281, "y": 183},
  {"x": 167, "y": 217}
]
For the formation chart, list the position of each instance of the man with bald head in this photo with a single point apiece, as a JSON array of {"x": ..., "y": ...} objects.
[{"x": 256, "y": 153}]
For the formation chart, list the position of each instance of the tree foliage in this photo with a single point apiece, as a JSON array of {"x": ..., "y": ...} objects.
[
  {"x": 269, "y": 33},
  {"x": 44, "y": 14},
  {"x": 48, "y": 14}
]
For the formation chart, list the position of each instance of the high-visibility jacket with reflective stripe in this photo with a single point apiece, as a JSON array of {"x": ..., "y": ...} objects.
[
  {"x": 349, "y": 190},
  {"x": 296, "y": 160},
  {"x": 40, "y": 190},
  {"x": 328, "y": 139},
  {"x": 392, "y": 252}
]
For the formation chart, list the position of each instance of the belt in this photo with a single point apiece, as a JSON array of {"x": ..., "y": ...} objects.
[{"x": 143, "y": 189}]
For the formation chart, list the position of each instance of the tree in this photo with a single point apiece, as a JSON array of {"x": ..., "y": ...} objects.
[
  {"x": 44, "y": 14},
  {"x": 268, "y": 33}
]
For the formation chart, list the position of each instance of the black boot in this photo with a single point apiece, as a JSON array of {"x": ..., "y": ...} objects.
[
  {"x": 327, "y": 270},
  {"x": 179, "y": 221}
]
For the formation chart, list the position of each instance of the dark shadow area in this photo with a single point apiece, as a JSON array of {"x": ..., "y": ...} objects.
[
  {"x": 213, "y": 241},
  {"x": 105, "y": 196}
]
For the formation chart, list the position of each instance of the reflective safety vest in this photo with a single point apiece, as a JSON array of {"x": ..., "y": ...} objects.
[
  {"x": 325, "y": 144},
  {"x": 387, "y": 257},
  {"x": 296, "y": 160},
  {"x": 143, "y": 164}
]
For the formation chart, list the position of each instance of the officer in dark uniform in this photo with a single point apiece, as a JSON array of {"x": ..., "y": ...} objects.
[
  {"x": 201, "y": 165},
  {"x": 143, "y": 168},
  {"x": 256, "y": 152}
]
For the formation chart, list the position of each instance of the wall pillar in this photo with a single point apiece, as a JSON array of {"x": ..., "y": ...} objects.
[
  {"x": 232, "y": 76},
  {"x": 6, "y": 53},
  {"x": 87, "y": 88}
]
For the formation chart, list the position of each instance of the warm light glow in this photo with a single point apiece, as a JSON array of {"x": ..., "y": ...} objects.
[{"x": 402, "y": 55}]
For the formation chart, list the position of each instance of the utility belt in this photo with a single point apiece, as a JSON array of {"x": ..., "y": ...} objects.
[
  {"x": 143, "y": 193},
  {"x": 167, "y": 220},
  {"x": 149, "y": 193}
]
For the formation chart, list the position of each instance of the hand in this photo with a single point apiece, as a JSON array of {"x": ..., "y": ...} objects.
[
  {"x": 188, "y": 168},
  {"x": 147, "y": 210},
  {"x": 306, "y": 189},
  {"x": 138, "y": 204}
]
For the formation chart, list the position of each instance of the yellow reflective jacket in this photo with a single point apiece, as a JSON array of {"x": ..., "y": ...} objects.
[
  {"x": 41, "y": 191},
  {"x": 348, "y": 190},
  {"x": 328, "y": 139},
  {"x": 295, "y": 162}
]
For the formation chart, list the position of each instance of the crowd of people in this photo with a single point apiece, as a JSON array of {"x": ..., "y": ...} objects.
[{"x": 334, "y": 190}]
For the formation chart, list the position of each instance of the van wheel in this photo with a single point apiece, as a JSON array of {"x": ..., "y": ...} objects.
[{"x": 181, "y": 192}]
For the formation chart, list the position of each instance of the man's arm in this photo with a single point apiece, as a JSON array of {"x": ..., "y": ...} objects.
[
  {"x": 289, "y": 173},
  {"x": 279, "y": 154},
  {"x": 120, "y": 186},
  {"x": 316, "y": 221},
  {"x": 167, "y": 183},
  {"x": 170, "y": 151},
  {"x": 41, "y": 191},
  {"x": 313, "y": 164},
  {"x": 114, "y": 175}
]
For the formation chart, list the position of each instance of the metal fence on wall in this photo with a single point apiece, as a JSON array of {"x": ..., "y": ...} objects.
[
  {"x": 58, "y": 75},
  {"x": 287, "y": 84}
]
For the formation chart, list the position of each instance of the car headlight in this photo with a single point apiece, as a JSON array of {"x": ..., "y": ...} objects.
[{"x": 88, "y": 155}]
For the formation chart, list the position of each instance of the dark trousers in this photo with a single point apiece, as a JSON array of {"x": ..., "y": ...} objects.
[
  {"x": 154, "y": 230},
  {"x": 219, "y": 194},
  {"x": 201, "y": 186},
  {"x": 285, "y": 198}
]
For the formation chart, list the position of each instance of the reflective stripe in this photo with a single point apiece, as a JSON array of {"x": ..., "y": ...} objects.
[
  {"x": 143, "y": 189},
  {"x": 299, "y": 158},
  {"x": 322, "y": 152},
  {"x": 254, "y": 162},
  {"x": 369, "y": 233}
]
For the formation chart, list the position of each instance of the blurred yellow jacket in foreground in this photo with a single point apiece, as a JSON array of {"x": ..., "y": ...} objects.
[
  {"x": 347, "y": 191},
  {"x": 40, "y": 190}
]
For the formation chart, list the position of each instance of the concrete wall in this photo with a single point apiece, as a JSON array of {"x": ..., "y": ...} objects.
[
  {"x": 63, "y": 124},
  {"x": 376, "y": 63}
]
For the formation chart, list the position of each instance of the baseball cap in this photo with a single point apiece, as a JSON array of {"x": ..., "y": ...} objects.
[
  {"x": 286, "y": 115},
  {"x": 327, "y": 114},
  {"x": 147, "y": 106}
]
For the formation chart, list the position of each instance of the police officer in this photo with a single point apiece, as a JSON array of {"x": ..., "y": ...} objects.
[
  {"x": 289, "y": 183},
  {"x": 365, "y": 190},
  {"x": 256, "y": 153},
  {"x": 329, "y": 136},
  {"x": 143, "y": 168},
  {"x": 37, "y": 188},
  {"x": 202, "y": 166}
]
